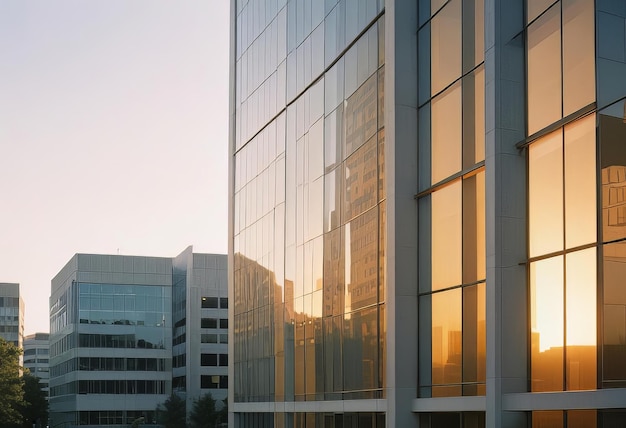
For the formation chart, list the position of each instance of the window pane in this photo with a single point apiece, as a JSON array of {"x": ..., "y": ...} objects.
[
  {"x": 474, "y": 117},
  {"x": 614, "y": 352},
  {"x": 446, "y": 236},
  {"x": 536, "y": 7},
  {"x": 446, "y": 342},
  {"x": 360, "y": 118},
  {"x": 360, "y": 350},
  {"x": 546, "y": 296},
  {"x": 547, "y": 419},
  {"x": 580, "y": 182},
  {"x": 446, "y": 133},
  {"x": 474, "y": 339},
  {"x": 446, "y": 46},
  {"x": 209, "y": 302},
  {"x": 332, "y": 199},
  {"x": 580, "y": 301},
  {"x": 582, "y": 418},
  {"x": 333, "y": 273},
  {"x": 361, "y": 264},
  {"x": 544, "y": 71},
  {"x": 578, "y": 55},
  {"x": 474, "y": 228},
  {"x": 545, "y": 192},
  {"x": 612, "y": 122},
  {"x": 473, "y": 33},
  {"x": 360, "y": 190}
]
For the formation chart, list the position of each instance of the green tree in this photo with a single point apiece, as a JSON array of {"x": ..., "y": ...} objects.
[
  {"x": 11, "y": 391},
  {"x": 173, "y": 412},
  {"x": 203, "y": 413},
  {"x": 222, "y": 415},
  {"x": 35, "y": 407}
]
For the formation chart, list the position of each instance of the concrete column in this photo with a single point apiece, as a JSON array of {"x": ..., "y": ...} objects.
[
  {"x": 401, "y": 157},
  {"x": 507, "y": 301}
]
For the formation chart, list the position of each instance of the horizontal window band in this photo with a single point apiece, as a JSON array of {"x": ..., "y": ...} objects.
[
  {"x": 588, "y": 109},
  {"x": 466, "y": 173}
]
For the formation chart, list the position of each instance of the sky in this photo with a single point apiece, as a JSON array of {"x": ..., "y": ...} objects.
[{"x": 113, "y": 134}]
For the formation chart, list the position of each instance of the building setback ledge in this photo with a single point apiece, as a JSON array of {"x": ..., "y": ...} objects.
[
  {"x": 347, "y": 406},
  {"x": 596, "y": 399},
  {"x": 449, "y": 404}
]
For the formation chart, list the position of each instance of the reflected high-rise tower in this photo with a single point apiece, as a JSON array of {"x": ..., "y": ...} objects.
[{"x": 436, "y": 190}]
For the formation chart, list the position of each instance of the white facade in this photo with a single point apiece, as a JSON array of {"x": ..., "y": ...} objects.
[{"x": 36, "y": 358}]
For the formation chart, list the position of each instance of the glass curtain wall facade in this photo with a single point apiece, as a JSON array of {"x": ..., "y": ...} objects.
[
  {"x": 576, "y": 152},
  {"x": 500, "y": 302},
  {"x": 451, "y": 199},
  {"x": 309, "y": 207}
]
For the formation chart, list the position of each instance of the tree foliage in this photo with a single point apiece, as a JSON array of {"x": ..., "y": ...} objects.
[
  {"x": 222, "y": 416},
  {"x": 35, "y": 408},
  {"x": 11, "y": 385},
  {"x": 173, "y": 412},
  {"x": 203, "y": 413}
]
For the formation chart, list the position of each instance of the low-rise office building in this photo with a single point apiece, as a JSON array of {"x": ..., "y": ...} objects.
[
  {"x": 111, "y": 335},
  {"x": 36, "y": 358}
]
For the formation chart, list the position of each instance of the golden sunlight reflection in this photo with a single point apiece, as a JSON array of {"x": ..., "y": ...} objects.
[
  {"x": 546, "y": 290},
  {"x": 581, "y": 298}
]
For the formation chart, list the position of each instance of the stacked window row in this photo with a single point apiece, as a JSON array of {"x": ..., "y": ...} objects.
[
  {"x": 115, "y": 417},
  {"x": 214, "y": 360},
  {"x": 110, "y": 387},
  {"x": 333, "y": 182},
  {"x": 451, "y": 198},
  {"x": 213, "y": 322},
  {"x": 214, "y": 302},
  {"x": 123, "y": 304}
]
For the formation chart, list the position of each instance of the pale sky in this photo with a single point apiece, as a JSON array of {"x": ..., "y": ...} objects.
[{"x": 113, "y": 134}]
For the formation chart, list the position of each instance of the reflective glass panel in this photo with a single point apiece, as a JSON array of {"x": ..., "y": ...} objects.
[
  {"x": 361, "y": 263},
  {"x": 446, "y": 245},
  {"x": 473, "y": 33},
  {"x": 546, "y": 296},
  {"x": 582, "y": 418},
  {"x": 446, "y": 343},
  {"x": 474, "y": 251},
  {"x": 382, "y": 248},
  {"x": 536, "y": 7},
  {"x": 580, "y": 182},
  {"x": 545, "y": 194},
  {"x": 360, "y": 118},
  {"x": 360, "y": 350},
  {"x": 614, "y": 351},
  {"x": 612, "y": 123},
  {"x": 578, "y": 55},
  {"x": 360, "y": 190},
  {"x": 333, "y": 273},
  {"x": 445, "y": 46},
  {"x": 474, "y": 339},
  {"x": 446, "y": 133},
  {"x": 580, "y": 327},
  {"x": 333, "y": 138},
  {"x": 474, "y": 117},
  {"x": 544, "y": 70},
  {"x": 547, "y": 419}
]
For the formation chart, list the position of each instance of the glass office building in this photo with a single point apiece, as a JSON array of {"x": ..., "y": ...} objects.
[
  {"x": 128, "y": 331},
  {"x": 428, "y": 213}
]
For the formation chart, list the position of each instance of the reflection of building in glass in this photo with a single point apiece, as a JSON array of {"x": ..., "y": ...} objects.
[
  {"x": 36, "y": 358},
  {"x": 424, "y": 178},
  {"x": 127, "y": 331}
]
